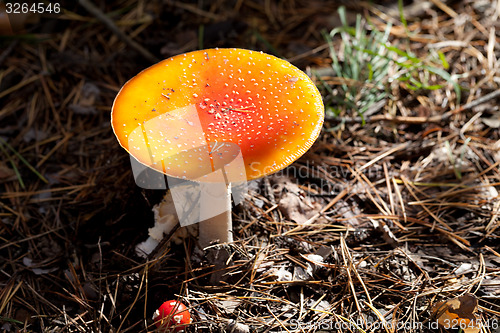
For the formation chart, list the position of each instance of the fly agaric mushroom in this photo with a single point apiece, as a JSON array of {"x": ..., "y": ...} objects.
[
  {"x": 172, "y": 315},
  {"x": 191, "y": 116}
]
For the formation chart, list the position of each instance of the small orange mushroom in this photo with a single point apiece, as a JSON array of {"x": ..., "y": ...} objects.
[
  {"x": 195, "y": 113},
  {"x": 172, "y": 316}
]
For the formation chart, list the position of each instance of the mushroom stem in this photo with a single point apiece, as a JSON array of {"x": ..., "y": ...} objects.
[{"x": 218, "y": 228}]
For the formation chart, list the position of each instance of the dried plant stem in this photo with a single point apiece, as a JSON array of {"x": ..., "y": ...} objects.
[{"x": 91, "y": 8}]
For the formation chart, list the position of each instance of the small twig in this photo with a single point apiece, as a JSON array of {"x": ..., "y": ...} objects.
[
  {"x": 416, "y": 120},
  {"x": 339, "y": 196},
  {"x": 387, "y": 117},
  {"x": 91, "y": 8},
  {"x": 8, "y": 51},
  {"x": 159, "y": 249},
  {"x": 197, "y": 11},
  {"x": 383, "y": 155},
  {"x": 476, "y": 102},
  {"x": 308, "y": 53},
  {"x": 272, "y": 199}
]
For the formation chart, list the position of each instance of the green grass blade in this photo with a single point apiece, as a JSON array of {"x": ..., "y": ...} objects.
[
  {"x": 42, "y": 178},
  {"x": 446, "y": 76},
  {"x": 402, "y": 15},
  {"x": 264, "y": 41},
  {"x": 10, "y": 320},
  {"x": 14, "y": 167},
  {"x": 445, "y": 63}
]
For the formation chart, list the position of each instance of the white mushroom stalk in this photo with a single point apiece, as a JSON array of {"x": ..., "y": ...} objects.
[{"x": 220, "y": 227}]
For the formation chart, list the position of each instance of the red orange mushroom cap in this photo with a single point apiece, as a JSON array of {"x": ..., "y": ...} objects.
[
  {"x": 191, "y": 114},
  {"x": 172, "y": 314}
]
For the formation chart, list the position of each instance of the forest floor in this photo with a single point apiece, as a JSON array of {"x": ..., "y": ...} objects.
[{"x": 394, "y": 208}]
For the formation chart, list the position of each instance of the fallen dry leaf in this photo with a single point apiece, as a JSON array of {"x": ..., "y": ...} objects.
[
  {"x": 292, "y": 203},
  {"x": 5, "y": 171},
  {"x": 458, "y": 313}
]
